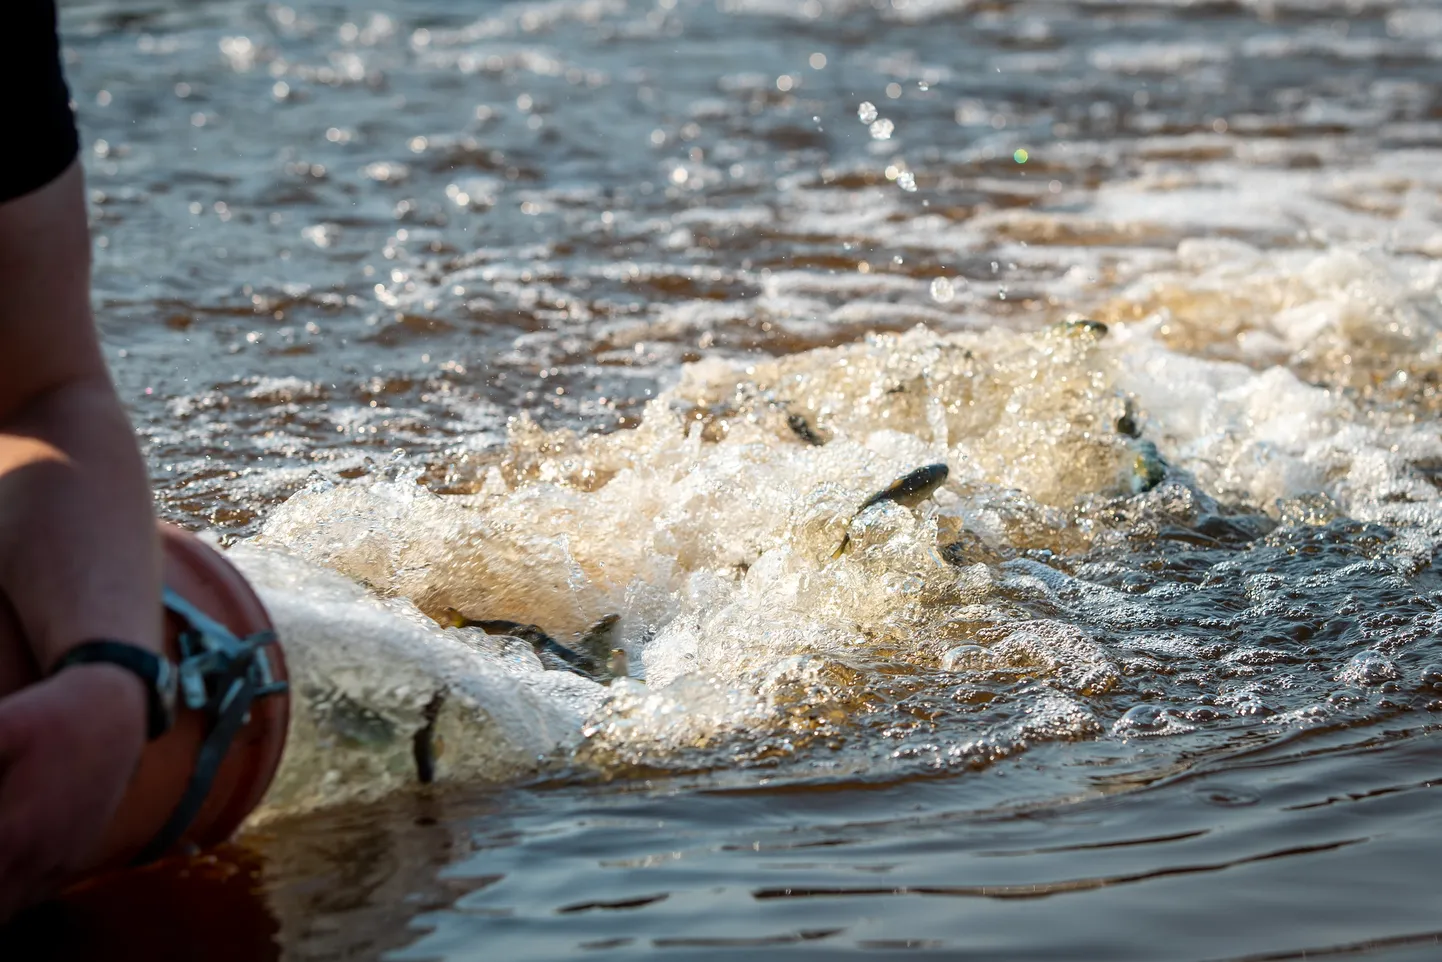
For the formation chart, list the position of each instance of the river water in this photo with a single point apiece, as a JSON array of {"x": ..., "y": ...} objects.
[{"x": 552, "y": 311}]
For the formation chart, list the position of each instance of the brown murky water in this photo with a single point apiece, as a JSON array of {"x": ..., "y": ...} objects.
[{"x": 548, "y": 311}]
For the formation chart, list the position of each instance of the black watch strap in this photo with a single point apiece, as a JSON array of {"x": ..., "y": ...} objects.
[{"x": 155, "y": 671}]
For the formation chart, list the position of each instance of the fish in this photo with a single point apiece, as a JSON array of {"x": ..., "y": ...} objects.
[
  {"x": 909, "y": 490},
  {"x": 597, "y": 641},
  {"x": 1084, "y": 325},
  {"x": 618, "y": 665},
  {"x": 594, "y": 656},
  {"x": 802, "y": 429},
  {"x": 426, "y": 745},
  {"x": 1149, "y": 468},
  {"x": 551, "y": 652}
]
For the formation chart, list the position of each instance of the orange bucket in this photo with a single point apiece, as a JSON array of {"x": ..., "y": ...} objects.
[{"x": 206, "y": 581}]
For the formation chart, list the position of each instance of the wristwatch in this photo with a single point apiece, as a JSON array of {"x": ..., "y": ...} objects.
[{"x": 156, "y": 671}]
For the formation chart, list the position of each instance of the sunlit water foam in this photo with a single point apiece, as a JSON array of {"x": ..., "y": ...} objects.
[{"x": 711, "y": 530}]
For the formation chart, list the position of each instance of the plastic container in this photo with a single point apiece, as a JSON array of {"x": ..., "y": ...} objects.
[{"x": 199, "y": 574}]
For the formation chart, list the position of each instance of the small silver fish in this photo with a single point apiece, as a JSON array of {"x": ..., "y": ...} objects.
[
  {"x": 1083, "y": 326},
  {"x": 552, "y": 653},
  {"x": 594, "y": 655},
  {"x": 597, "y": 642},
  {"x": 909, "y": 490},
  {"x": 618, "y": 665}
]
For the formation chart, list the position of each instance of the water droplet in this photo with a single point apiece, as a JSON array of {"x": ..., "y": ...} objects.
[
  {"x": 942, "y": 290},
  {"x": 881, "y": 129},
  {"x": 867, "y": 112}
]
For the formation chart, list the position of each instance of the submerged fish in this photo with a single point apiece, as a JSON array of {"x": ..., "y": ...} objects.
[
  {"x": 552, "y": 653},
  {"x": 1149, "y": 469},
  {"x": 909, "y": 490},
  {"x": 426, "y": 745},
  {"x": 618, "y": 664},
  {"x": 597, "y": 641},
  {"x": 1084, "y": 326},
  {"x": 802, "y": 429},
  {"x": 596, "y": 658}
]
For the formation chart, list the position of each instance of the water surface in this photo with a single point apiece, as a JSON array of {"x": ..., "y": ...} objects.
[{"x": 550, "y": 311}]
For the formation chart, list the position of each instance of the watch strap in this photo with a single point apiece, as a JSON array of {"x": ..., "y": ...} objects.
[{"x": 154, "y": 670}]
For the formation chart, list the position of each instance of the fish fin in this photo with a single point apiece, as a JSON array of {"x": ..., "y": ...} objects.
[
  {"x": 841, "y": 548},
  {"x": 425, "y": 746},
  {"x": 498, "y": 626}
]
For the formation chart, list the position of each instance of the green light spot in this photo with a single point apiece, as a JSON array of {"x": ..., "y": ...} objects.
[{"x": 1021, "y": 155}]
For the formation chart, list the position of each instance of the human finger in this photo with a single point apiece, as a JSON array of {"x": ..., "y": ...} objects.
[{"x": 29, "y": 868}]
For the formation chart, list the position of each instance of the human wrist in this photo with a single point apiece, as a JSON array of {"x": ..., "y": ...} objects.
[
  {"x": 111, "y": 695},
  {"x": 155, "y": 674}
]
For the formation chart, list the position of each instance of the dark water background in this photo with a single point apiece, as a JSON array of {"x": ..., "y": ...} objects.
[{"x": 336, "y": 236}]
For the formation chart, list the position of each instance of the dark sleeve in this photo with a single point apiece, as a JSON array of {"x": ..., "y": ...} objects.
[{"x": 40, "y": 134}]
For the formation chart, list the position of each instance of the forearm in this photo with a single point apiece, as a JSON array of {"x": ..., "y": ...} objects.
[{"x": 78, "y": 551}]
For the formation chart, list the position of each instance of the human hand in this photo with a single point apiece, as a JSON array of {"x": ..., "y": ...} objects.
[{"x": 68, "y": 747}]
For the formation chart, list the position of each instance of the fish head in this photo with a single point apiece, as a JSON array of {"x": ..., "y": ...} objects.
[{"x": 914, "y": 487}]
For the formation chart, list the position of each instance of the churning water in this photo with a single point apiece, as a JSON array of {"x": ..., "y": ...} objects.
[{"x": 552, "y": 311}]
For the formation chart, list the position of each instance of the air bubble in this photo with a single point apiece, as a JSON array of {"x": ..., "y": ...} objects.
[
  {"x": 1144, "y": 720},
  {"x": 1368, "y": 669},
  {"x": 967, "y": 658}
]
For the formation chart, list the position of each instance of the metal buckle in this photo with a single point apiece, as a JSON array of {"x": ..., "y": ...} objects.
[
  {"x": 209, "y": 649},
  {"x": 221, "y": 675},
  {"x": 167, "y": 689}
]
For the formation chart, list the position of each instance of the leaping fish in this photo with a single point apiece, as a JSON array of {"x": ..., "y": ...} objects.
[{"x": 909, "y": 490}]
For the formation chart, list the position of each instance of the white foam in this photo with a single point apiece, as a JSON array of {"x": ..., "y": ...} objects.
[{"x": 367, "y": 675}]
